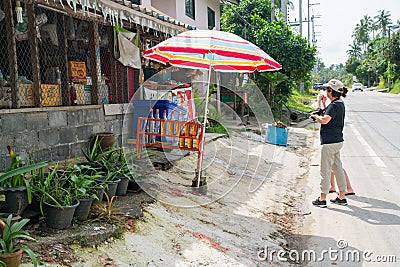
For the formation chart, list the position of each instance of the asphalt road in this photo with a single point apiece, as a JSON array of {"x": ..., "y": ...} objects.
[{"x": 370, "y": 225}]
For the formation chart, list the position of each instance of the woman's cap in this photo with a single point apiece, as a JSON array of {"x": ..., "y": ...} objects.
[{"x": 335, "y": 85}]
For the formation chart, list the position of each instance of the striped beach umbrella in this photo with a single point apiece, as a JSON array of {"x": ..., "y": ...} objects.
[
  {"x": 218, "y": 50},
  {"x": 211, "y": 50}
]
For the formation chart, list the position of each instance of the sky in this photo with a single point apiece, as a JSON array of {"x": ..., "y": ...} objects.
[{"x": 338, "y": 19}]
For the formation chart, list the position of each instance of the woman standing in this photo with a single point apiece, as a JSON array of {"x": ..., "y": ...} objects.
[{"x": 331, "y": 136}]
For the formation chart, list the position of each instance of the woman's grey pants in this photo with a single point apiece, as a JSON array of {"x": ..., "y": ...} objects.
[{"x": 330, "y": 161}]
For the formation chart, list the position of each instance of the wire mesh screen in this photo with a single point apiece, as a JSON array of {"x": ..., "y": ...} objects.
[
  {"x": 80, "y": 70},
  {"x": 50, "y": 59},
  {"x": 24, "y": 79},
  {"x": 5, "y": 90},
  {"x": 106, "y": 52},
  {"x": 62, "y": 64}
]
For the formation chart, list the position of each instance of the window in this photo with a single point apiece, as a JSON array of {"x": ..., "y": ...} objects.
[
  {"x": 189, "y": 8},
  {"x": 137, "y": 2},
  {"x": 211, "y": 18}
]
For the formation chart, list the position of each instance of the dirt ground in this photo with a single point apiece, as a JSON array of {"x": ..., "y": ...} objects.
[{"x": 252, "y": 204}]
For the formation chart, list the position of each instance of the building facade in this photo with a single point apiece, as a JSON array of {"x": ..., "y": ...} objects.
[{"x": 60, "y": 67}]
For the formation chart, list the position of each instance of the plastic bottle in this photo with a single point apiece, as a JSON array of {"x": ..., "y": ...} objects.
[
  {"x": 151, "y": 126},
  {"x": 157, "y": 123},
  {"x": 195, "y": 131},
  {"x": 171, "y": 125},
  {"x": 163, "y": 125},
  {"x": 181, "y": 131}
]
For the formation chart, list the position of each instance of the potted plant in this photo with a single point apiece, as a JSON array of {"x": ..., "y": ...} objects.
[
  {"x": 277, "y": 133},
  {"x": 15, "y": 184},
  {"x": 117, "y": 168},
  {"x": 109, "y": 181},
  {"x": 82, "y": 187},
  {"x": 10, "y": 248},
  {"x": 57, "y": 203}
]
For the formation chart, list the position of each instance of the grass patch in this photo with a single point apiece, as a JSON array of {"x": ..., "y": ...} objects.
[
  {"x": 302, "y": 102},
  {"x": 214, "y": 126},
  {"x": 396, "y": 88}
]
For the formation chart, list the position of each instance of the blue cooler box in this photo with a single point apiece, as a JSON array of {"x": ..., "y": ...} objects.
[
  {"x": 277, "y": 136},
  {"x": 141, "y": 108}
]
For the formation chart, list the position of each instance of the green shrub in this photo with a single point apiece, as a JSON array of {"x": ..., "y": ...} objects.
[{"x": 395, "y": 88}]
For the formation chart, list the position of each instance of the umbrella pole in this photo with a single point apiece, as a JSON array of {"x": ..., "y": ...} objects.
[{"x": 204, "y": 124}]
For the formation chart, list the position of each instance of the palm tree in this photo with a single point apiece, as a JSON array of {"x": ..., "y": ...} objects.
[
  {"x": 361, "y": 33},
  {"x": 355, "y": 50},
  {"x": 368, "y": 23},
  {"x": 374, "y": 28},
  {"x": 397, "y": 25},
  {"x": 383, "y": 21}
]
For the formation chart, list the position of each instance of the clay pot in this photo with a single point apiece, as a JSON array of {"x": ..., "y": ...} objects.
[
  {"x": 12, "y": 259},
  {"x": 106, "y": 140}
]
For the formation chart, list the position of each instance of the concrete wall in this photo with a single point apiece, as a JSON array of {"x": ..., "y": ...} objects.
[{"x": 54, "y": 134}]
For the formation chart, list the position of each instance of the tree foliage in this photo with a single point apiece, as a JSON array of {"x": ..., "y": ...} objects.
[
  {"x": 251, "y": 20},
  {"x": 374, "y": 55}
]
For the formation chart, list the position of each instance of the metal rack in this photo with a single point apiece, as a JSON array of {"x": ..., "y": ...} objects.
[{"x": 173, "y": 134}]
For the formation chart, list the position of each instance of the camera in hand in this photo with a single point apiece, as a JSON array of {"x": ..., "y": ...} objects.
[{"x": 318, "y": 112}]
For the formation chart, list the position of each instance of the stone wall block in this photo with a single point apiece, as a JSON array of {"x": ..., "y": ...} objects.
[
  {"x": 84, "y": 132},
  {"x": 57, "y": 118},
  {"x": 68, "y": 135},
  {"x": 92, "y": 115},
  {"x": 75, "y": 117},
  {"x": 48, "y": 138},
  {"x": 12, "y": 123},
  {"x": 37, "y": 121}
]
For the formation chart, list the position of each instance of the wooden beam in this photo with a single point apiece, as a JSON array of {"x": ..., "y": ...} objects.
[
  {"x": 30, "y": 9},
  {"x": 12, "y": 51},
  {"x": 94, "y": 52},
  {"x": 63, "y": 46},
  {"x": 113, "y": 66}
]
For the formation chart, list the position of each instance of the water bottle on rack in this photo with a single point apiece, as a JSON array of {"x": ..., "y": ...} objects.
[
  {"x": 195, "y": 133},
  {"x": 171, "y": 125},
  {"x": 150, "y": 129},
  {"x": 163, "y": 126},
  {"x": 169, "y": 128},
  {"x": 181, "y": 131},
  {"x": 157, "y": 122}
]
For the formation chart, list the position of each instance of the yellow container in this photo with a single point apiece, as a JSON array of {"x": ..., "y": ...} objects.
[
  {"x": 51, "y": 95},
  {"x": 80, "y": 93}
]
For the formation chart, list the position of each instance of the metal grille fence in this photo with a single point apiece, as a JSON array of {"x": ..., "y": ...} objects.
[{"x": 63, "y": 70}]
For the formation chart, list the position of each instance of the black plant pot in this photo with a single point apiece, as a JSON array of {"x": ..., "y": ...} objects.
[
  {"x": 16, "y": 200},
  {"x": 133, "y": 186},
  {"x": 95, "y": 166},
  {"x": 122, "y": 186},
  {"x": 110, "y": 186},
  {"x": 59, "y": 217},
  {"x": 99, "y": 192},
  {"x": 82, "y": 211}
]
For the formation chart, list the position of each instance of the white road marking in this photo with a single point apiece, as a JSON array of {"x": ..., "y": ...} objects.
[{"x": 377, "y": 160}]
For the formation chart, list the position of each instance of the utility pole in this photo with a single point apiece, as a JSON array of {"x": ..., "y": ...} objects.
[
  {"x": 308, "y": 21},
  {"x": 310, "y": 41},
  {"x": 301, "y": 17},
  {"x": 284, "y": 10},
  {"x": 313, "y": 17},
  {"x": 272, "y": 10}
]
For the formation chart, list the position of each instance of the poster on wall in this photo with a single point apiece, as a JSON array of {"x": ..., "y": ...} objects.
[{"x": 77, "y": 71}]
